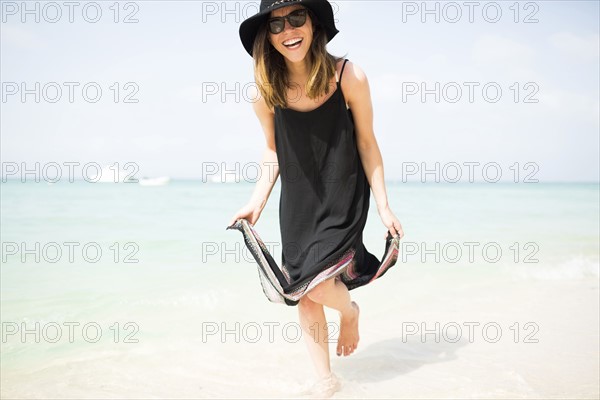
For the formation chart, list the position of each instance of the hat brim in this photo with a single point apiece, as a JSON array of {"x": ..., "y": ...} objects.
[{"x": 322, "y": 9}]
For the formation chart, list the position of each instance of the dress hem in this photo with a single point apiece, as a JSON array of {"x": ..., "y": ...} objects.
[{"x": 275, "y": 280}]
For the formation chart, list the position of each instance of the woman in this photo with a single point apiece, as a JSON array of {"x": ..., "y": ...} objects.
[{"x": 319, "y": 133}]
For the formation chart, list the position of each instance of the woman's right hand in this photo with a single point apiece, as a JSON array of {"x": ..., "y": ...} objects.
[{"x": 250, "y": 212}]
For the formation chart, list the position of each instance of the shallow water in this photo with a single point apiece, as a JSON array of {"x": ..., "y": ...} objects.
[{"x": 172, "y": 305}]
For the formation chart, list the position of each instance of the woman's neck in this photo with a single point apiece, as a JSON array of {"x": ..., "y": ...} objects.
[{"x": 298, "y": 71}]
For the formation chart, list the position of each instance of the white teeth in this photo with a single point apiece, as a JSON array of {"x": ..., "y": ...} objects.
[{"x": 292, "y": 42}]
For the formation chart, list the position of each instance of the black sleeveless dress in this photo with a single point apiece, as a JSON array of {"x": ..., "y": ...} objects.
[
  {"x": 322, "y": 208},
  {"x": 324, "y": 191}
]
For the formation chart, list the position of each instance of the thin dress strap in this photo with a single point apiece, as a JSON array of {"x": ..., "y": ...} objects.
[{"x": 342, "y": 72}]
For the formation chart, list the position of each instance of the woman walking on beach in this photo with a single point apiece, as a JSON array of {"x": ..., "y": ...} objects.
[{"x": 319, "y": 133}]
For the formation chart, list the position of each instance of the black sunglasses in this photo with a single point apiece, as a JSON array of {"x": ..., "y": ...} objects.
[{"x": 296, "y": 18}]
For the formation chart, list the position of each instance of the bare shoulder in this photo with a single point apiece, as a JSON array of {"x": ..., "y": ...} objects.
[
  {"x": 260, "y": 107},
  {"x": 354, "y": 81},
  {"x": 266, "y": 117}
]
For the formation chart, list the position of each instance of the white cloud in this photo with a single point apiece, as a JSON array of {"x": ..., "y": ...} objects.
[
  {"x": 580, "y": 48},
  {"x": 389, "y": 86},
  {"x": 571, "y": 105},
  {"x": 503, "y": 54},
  {"x": 437, "y": 59},
  {"x": 20, "y": 37}
]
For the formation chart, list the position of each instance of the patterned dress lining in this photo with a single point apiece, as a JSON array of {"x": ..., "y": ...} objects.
[{"x": 274, "y": 279}]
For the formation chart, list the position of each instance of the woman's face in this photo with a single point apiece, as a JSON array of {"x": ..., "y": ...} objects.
[{"x": 290, "y": 35}]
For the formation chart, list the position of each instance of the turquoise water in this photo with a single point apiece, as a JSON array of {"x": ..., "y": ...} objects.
[
  {"x": 182, "y": 225},
  {"x": 175, "y": 254},
  {"x": 172, "y": 225}
]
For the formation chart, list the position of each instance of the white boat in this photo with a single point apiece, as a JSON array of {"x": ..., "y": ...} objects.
[
  {"x": 225, "y": 177},
  {"x": 158, "y": 181},
  {"x": 109, "y": 174}
]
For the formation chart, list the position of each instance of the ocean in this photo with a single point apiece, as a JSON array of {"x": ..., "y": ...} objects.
[{"x": 123, "y": 290}]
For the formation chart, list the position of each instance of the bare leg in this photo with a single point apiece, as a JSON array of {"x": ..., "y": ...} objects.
[
  {"x": 314, "y": 328},
  {"x": 334, "y": 294}
]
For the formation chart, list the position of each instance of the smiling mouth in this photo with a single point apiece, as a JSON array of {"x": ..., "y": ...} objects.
[{"x": 293, "y": 44}]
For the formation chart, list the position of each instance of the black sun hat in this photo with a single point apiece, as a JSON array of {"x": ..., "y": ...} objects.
[{"x": 321, "y": 8}]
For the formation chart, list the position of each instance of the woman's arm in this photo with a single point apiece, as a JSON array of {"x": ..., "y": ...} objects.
[
  {"x": 269, "y": 163},
  {"x": 358, "y": 94},
  {"x": 269, "y": 167},
  {"x": 268, "y": 177}
]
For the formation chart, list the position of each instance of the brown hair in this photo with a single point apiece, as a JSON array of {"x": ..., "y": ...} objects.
[{"x": 270, "y": 70}]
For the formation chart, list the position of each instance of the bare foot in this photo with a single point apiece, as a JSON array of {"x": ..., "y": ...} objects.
[
  {"x": 324, "y": 388},
  {"x": 348, "y": 339}
]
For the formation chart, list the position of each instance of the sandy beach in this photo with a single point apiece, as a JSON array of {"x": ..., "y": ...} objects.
[
  {"x": 189, "y": 319},
  {"x": 517, "y": 339}
]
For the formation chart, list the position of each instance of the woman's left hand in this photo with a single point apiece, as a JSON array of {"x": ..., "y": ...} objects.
[{"x": 391, "y": 222}]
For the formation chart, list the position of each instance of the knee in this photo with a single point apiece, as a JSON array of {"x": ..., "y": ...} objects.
[
  {"x": 320, "y": 292},
  {"x": 306, "y": 306}
]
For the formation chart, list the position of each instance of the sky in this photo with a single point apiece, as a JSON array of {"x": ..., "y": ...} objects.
[{"x": 517, "y": 86}]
